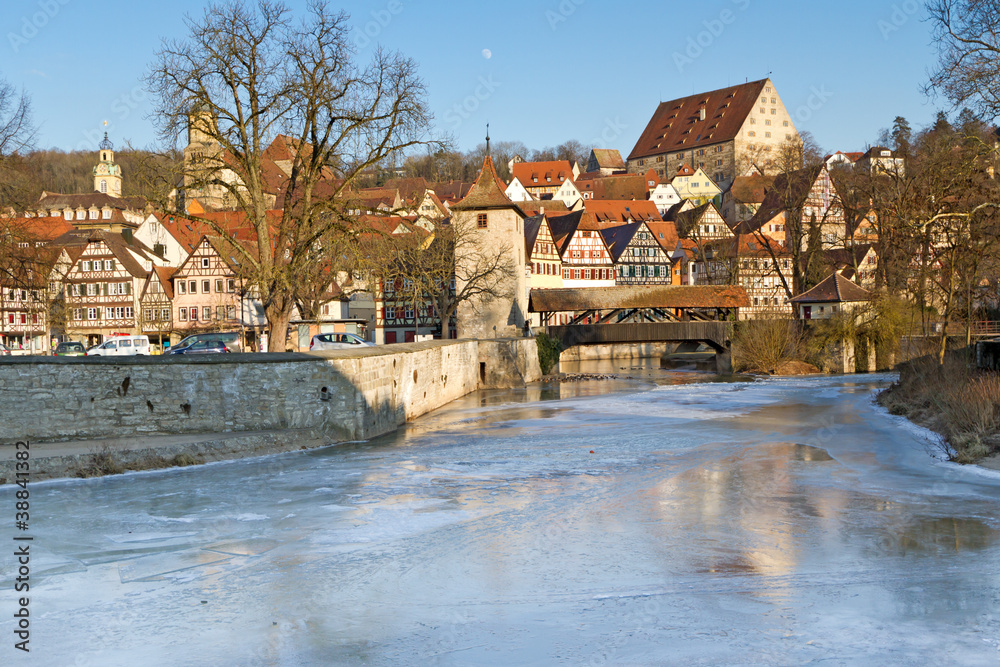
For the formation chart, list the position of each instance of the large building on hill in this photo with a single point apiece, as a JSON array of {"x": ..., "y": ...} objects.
[{"x": 721, "y": 132}]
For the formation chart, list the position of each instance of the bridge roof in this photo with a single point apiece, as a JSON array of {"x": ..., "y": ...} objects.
[{"x": 643, "y": 296}]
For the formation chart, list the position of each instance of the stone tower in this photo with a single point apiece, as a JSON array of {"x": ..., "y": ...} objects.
[
  {"x": 107, "y": 174},
  {"x": 494, "y": 225},
  {"x": 202, "y": 162}
]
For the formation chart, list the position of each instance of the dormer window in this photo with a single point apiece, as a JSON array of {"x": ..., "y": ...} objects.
[
  {"x": 93, "y": 214},
  {"x": 81, "y": 215},
  {"x": 107, "y": 214}
]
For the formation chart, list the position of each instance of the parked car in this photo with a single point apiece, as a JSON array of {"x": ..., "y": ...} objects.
[
  {"x": 338, "y": 341},
  {"x": 4, "y": 352},
  {"x": 230, "y": 338},
  {"x": 121, "y": 346},
  {"x": 201, "y": 347},
  {"x": 70, "y": 349}
]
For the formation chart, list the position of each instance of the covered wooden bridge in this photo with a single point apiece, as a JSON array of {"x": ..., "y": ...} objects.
[{"x": 643, "y": 314}]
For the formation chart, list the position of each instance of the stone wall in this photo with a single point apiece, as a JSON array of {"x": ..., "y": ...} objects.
[{"x": 344, "y": 395}]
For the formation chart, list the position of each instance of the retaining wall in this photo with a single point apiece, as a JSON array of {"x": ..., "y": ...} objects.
[{"x": 345, "y": 395}]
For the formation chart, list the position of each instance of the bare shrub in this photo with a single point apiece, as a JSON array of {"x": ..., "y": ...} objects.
[
  {"x": 101, "y": 462},
  {"x": 761, "y": 345}
]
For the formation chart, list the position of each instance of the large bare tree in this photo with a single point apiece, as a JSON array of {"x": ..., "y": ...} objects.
[
  {"x": 248, "y": 72},
  {"x": 968, "y": 39}
]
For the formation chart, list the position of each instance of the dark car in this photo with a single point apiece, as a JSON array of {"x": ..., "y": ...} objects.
[
  {"x": 70, "y": 350},
  {"x": 201, "y": 347}
]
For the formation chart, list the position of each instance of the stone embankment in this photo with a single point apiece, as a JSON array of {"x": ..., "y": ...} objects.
[{"x": 191, "y": 409}]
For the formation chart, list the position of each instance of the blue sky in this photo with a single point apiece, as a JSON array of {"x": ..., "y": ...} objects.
[{"x": 557, "y": 69}]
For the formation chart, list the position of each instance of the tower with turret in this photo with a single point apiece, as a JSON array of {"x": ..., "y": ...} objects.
[{"x": 107, "y": 174}]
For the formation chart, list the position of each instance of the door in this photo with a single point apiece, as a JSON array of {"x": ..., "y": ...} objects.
[
  {"x": 303, "y": 337},
  {"x": 125, "y": 347},
  {"x": 390, "y": 337},
  {"x": 807, "y": 312},
  {"x": 410, "y": 336}
]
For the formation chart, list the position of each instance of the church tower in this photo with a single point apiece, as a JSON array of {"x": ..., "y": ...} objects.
[{"x": 107, "y": 174}]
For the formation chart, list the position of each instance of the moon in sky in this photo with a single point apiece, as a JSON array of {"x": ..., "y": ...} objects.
[{"x": 487, "y": 54}]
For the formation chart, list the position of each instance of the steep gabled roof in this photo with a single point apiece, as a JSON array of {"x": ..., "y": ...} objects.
[
  {"x": 751, "y": 189},
  {"x": 677, "y": 126},
  {"x": 487, "y": 192},
  {"x": 617, "y": 238},
  {"x": 834, "y": 289},
  {"x": 665, "y": 233},
  {"x": 532, "y": 226},
  {"x": 789, "y": 192},
  {"x": 164, "y": 275},
  {"x": 608, "y": 158}
]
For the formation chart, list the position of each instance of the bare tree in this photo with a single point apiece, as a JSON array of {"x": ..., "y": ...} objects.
[
  {"x": 968, "y": 39},
  {"x": 249, "y": 72},
  {"x": 17, "y": 133},
  {"x": 423, "y": 270}
]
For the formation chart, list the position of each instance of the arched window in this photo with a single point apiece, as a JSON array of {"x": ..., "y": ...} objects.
[{"x": 104, "y": 186}]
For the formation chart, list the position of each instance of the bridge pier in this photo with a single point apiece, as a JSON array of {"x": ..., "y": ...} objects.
[{"x": 724, "y": 362}]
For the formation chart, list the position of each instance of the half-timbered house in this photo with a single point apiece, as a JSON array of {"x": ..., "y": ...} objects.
[
  {"x": 209, "y": 294},
  {"x": 639, "y": 257},
  {"x": 103, "y": 285}
]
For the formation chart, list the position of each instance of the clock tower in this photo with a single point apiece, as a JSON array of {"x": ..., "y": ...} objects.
[{"x": 107, "y": 174}]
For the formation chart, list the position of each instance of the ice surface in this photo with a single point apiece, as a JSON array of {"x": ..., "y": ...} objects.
[{"x": 774, "y": 522}]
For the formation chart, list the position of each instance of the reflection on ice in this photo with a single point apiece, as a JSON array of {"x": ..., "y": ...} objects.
[{"x": 608, "y": 522}]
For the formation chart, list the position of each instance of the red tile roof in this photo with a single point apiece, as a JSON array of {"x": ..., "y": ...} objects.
[
  {"x": 834, "y": 289},
  {"x": 676, "y": 125},
  {"x": 538, "y": 174},
  {"x": 622, "y": 211}
]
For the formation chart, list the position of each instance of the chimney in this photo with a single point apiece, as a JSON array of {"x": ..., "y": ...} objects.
[{"x": 701, "y": 113}]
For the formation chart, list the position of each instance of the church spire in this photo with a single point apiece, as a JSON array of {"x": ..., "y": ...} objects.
[{"x": 487, "y": 138}]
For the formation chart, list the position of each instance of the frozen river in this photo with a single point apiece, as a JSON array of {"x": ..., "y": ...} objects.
[{"x": 774, "y": 522}]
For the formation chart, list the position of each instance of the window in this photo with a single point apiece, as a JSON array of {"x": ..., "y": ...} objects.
[
  {"x": 763, "y": 110},
  {"x": 481, "y": 221},
  {"x": 767, "y": 135},
  {"x": 193, "y": 286},
  {"x": 104, "y": 186},
  {"x": 767, "y": 122},
  {"x": 206, "y": 286},
  {"x": 390, "y": 312},
  {"x": 206, "y": 313},
  {"x": 230, "y": 312},
  {"x": 91, "y": 313},
  {"x": 408, "y": 313},
  {"x": 763, "y": 100},
  {"x": 751, "y": 134},
  {"x": 586, "y": 274},
  {"x": 92, "y": 289},
  {"x": 220, "y": 313},
  {"x": 85, "y": 266},
  {"x": 181, "y": 287},
  {"x": 182, "y": 314},
  {"x": 68, "y": 215},
  {"x": 205, "y": 262},
  {"x": 148, "y": 315},
  {"x": 81, "y": 215},
  {"x": 93, "y": 214},
  {"x": 106, "y": 214},
  {"x": 774, "y": 100},
  {"x": 566, "y": 274},
  {"x": 194, "y": 314},
  {"x": 774, "y": 112},
  {"x": 785, "y": 123},
  {"x": 753, "y": 121},
  {"x": 218, "y": 285},
  {"x": 231, "y": 285},
  {"x": 165, "y": 315}
]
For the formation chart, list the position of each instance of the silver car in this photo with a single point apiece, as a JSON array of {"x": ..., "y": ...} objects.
[{"x": 338, "y": 341}]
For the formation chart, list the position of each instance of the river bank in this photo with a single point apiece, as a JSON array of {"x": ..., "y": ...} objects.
[{"x": 959, "y": 403}]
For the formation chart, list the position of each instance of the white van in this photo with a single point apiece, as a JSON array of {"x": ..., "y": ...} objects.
[{"x": 121, "y": 346}]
